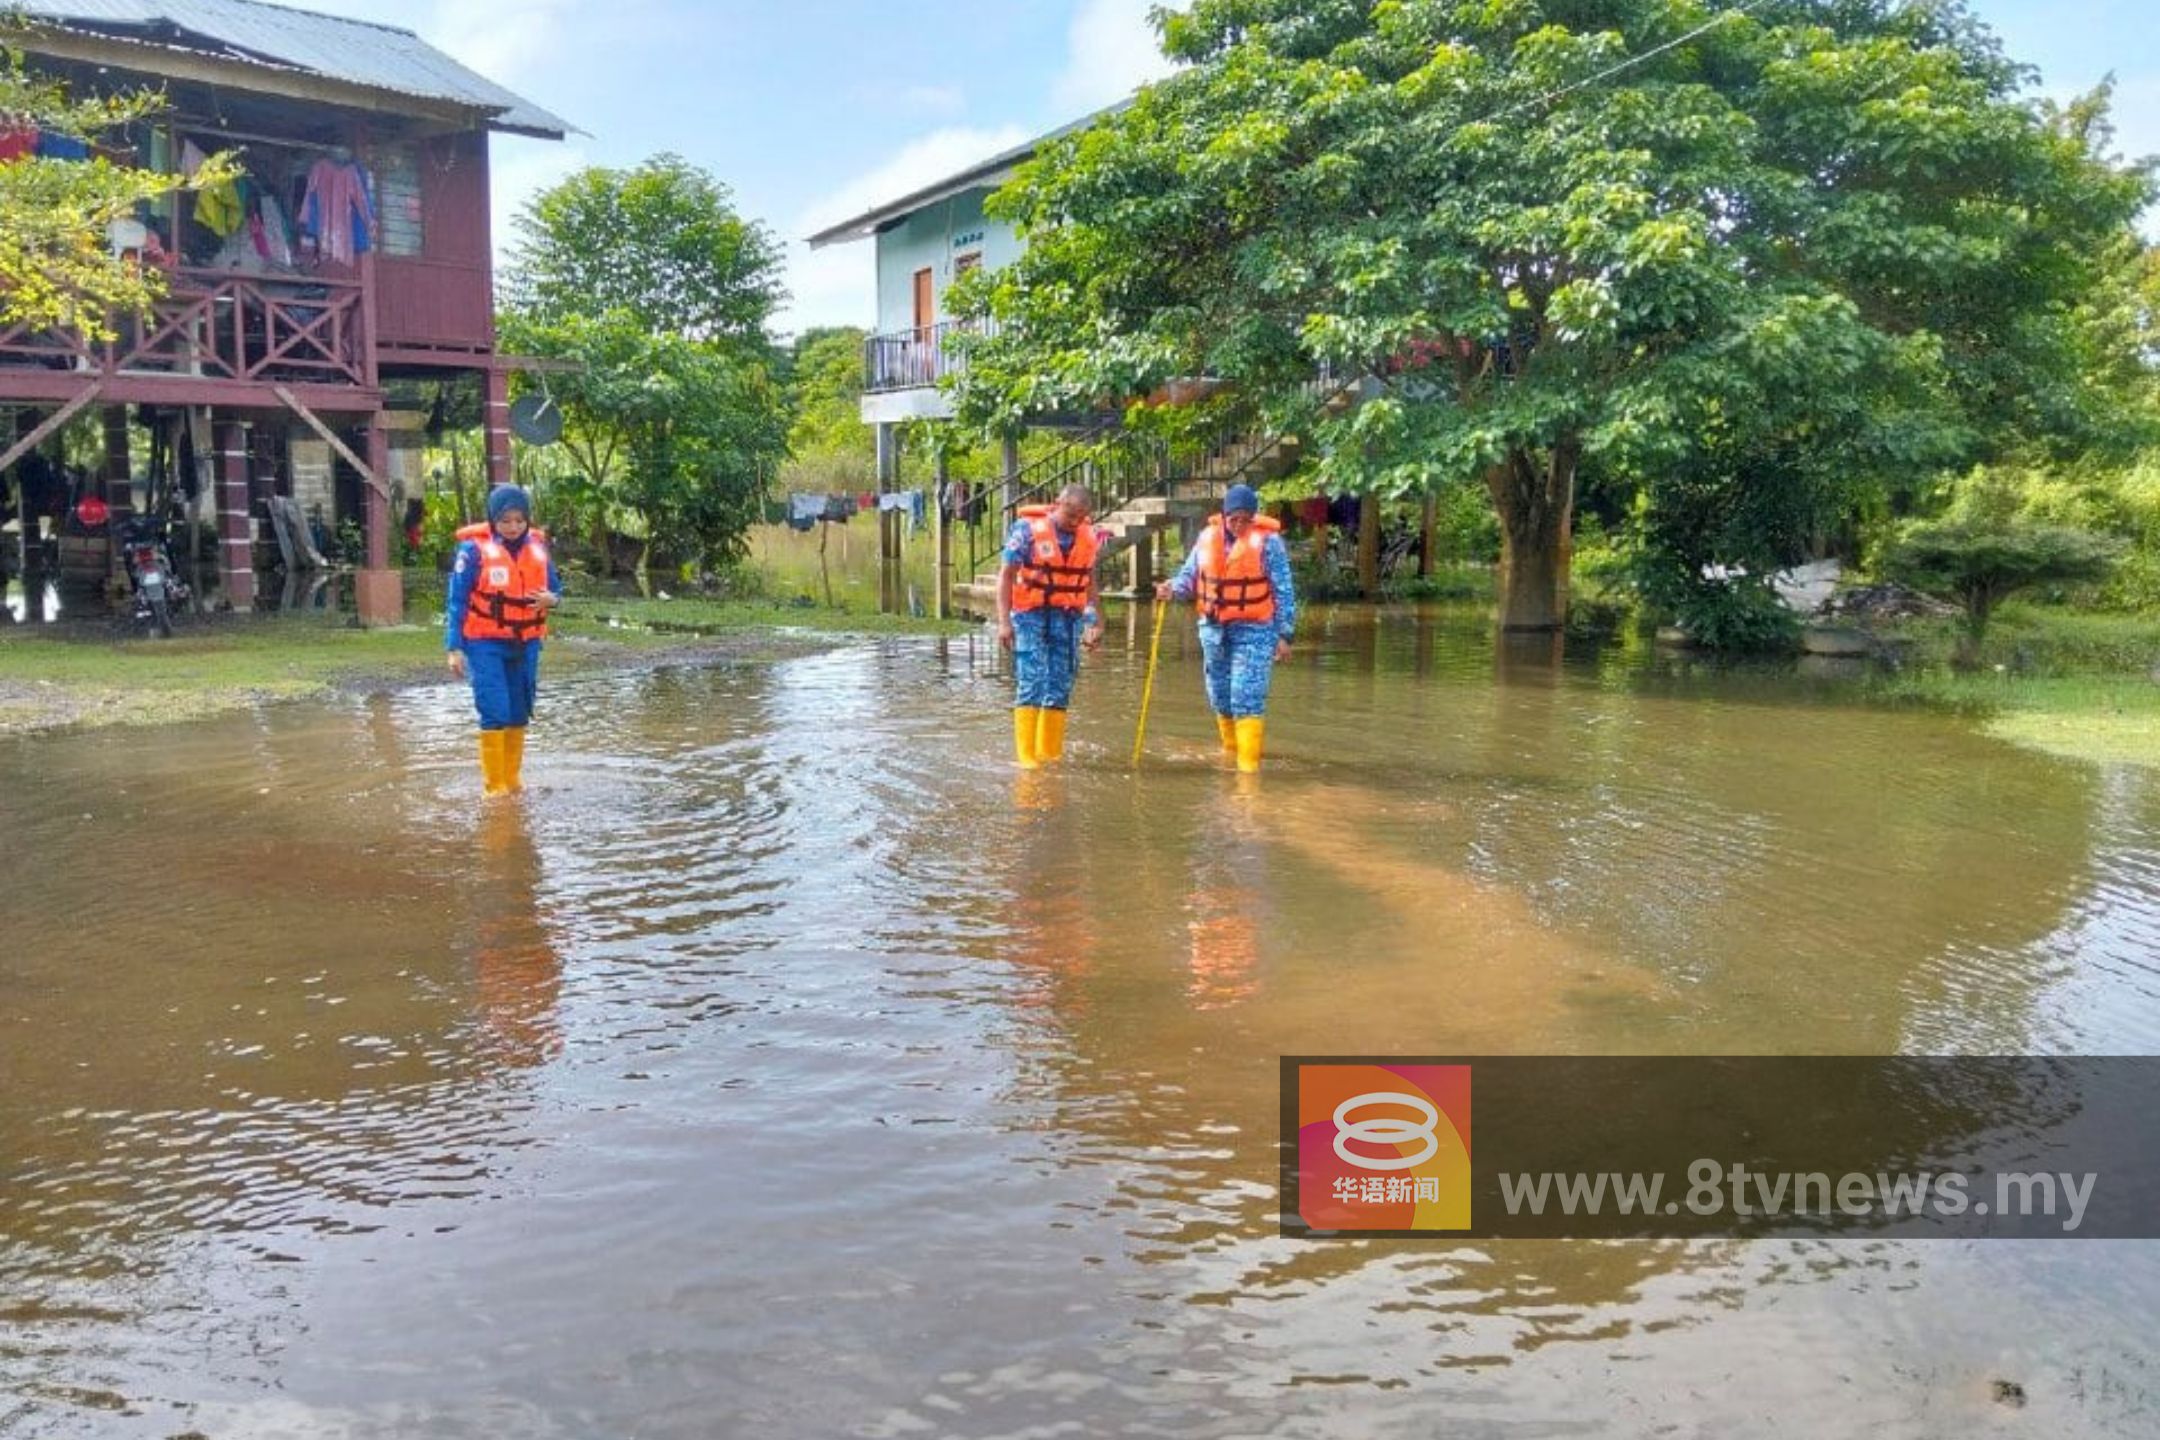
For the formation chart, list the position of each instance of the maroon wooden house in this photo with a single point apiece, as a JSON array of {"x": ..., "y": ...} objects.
[{"x": 356, "y": 253}]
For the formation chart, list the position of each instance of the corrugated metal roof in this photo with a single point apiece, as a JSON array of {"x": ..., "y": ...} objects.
[
  {"x": 358, "y": 51},
  {"x": 991, "y": 172}
]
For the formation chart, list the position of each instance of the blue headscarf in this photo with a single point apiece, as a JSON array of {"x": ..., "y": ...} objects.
[{"x": 508, "y": 497}]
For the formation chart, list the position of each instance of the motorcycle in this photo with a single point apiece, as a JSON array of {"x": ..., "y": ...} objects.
[{"x": 157, "y": 587}]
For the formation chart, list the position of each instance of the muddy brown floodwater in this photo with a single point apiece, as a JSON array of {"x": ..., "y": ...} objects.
[{"x": 787, "y": 1065}]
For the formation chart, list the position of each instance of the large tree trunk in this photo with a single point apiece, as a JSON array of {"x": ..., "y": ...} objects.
[{"x": 1535, "y": 498}]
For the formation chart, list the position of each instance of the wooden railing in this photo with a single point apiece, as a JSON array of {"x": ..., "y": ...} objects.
[{"x": 218, "y": 325}]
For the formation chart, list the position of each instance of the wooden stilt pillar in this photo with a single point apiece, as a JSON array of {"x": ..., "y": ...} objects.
[
  {"x": 1368, "y": 546},
  {"x": 118, "y": 486},
  {"x": 1428, "y": 533},
  {"x": 941, "y": 516},
  {"x": 888, "y": 522},
  {"x": 262, "y": 468},
  {"x": 235, "y": 530},
  {"x": 501, "y": 468},
  {"x": 380, "y": 590}
]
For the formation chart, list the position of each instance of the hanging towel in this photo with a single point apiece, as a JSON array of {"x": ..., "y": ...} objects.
[
  {"x": 337, "y": 211},
  {"x": 52, "y": 145},
  {"x": 838, "y": 508},
  {"x": 276, "y": 239},
  {"x": 804, "y": 511},
  {"x": 908, "y": 503},
  {"x": 17, "y": 141},
  {"x": 218, "y": 208}
]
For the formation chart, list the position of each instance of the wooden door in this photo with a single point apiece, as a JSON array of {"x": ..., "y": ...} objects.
[
  {"x": 922, "y": 363},
  {"x": 925, "y": 300}
]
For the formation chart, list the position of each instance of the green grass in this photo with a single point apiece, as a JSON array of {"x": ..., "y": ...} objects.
[
  {"x": 601, "y": 615},
  {"x": 83, "y": 675},
  {"x": 2073, "y": 683}
]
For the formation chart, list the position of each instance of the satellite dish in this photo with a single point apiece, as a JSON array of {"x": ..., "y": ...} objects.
[{"x": 536, "y": 419}]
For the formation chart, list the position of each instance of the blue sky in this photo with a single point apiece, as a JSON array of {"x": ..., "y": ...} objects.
[{"x": 813, "y": 109}]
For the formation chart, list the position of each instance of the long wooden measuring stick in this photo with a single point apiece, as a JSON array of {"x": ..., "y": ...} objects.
[{"x": 1147, "y": 691}]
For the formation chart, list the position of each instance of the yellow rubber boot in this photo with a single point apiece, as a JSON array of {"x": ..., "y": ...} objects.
[
  {"x": 1227, "y": 728},
  {"x": 514, "y": 758},
  {"x": 1050, "y": 736},
  {"x": 1027, "y": 722},
  {"x": 1249, "y": 729},
  {"x": 492, "y": 758}
]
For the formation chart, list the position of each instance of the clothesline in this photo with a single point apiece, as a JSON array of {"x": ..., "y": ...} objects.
[{"x": 805, "y": 509}]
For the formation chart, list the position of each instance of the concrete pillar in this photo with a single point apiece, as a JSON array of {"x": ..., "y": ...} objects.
[
  {"x": 379, "y": 589},
  {"x": 235, "y": 529},
  {"x": 1142, "y": 562},
  {"x": 501, "y": 469}
]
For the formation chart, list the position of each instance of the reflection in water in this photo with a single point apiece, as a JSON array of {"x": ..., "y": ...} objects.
[
  {"x": 787, "y": 1064},
  {"x": 1227, "y": 913},
  {"x": 518, "y": 975}
]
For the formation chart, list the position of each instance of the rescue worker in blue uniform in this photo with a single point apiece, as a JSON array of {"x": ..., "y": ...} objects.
[
  {"x": 1048, "y": 607},
  {"x": 502, "y": 585},
  {"x": 1238, "y": 575}
]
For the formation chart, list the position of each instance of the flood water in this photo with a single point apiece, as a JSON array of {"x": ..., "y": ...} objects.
[{"x": 787, "y": 1064}]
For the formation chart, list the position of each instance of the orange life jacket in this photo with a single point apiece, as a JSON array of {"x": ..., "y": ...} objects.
[
  {"x": 502, "y": 606},
  {"x": 1053, "y": 575},
  {"x": 1233, "y": 583}
]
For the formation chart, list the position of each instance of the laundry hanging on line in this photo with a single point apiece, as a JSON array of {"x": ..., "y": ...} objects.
[
  {"x": 907, "y": 502},
  {"x": 338, "y": 210},
  {"x": 804, "y": 510}
]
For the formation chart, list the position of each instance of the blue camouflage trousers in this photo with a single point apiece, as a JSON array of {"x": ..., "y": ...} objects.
[
  {"x": 1240, "y": 661},
  {"x": 505, "y": 677},
  {"x": 1046, "y": 656}
]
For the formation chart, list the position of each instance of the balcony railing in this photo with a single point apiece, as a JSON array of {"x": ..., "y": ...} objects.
[
  {"x": 217, "y": 325},
  {"x": 909, "y": 359}
]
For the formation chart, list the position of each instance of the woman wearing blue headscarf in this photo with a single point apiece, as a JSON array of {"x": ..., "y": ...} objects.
[{"x": 502, "y": 585}]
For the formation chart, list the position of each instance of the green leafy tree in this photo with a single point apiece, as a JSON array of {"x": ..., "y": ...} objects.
[
  {"x": 1545, "y": 230},
  {"x": 1981, "y": 564},
  {"x": 677, "y": 442},
  {"x": 661, "y": 242},
  {"x": 657, "y": 292},
  {"x": 56, "y": 269},
  {"x": 827, "y": 372},
  {"x": 829, "y": 446}
]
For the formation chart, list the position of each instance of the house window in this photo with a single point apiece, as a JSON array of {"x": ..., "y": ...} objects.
[{"x": 396, "y": 173}]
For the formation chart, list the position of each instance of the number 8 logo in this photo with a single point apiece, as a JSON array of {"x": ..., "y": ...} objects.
[{"x": 1387, "y": 1130}]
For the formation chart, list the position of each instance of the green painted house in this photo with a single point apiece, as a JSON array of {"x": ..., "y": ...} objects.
[{"x": 923, "y": 242}]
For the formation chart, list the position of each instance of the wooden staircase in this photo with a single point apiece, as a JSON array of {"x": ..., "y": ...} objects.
[{"x": 1178, "y": 500}]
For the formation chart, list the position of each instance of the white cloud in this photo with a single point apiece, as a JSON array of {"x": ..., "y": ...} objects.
[
  {"x": 499, "y": 38},
  {"x": 519, "y": 169},
  {"x": 945, "y": 100},
  {"x": 838, "y": 285},
  {"x": 1112, "y": 50},
  {"x": 918, "y": 163}
]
